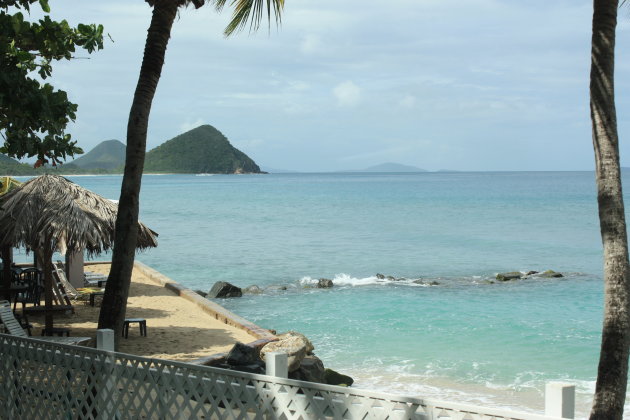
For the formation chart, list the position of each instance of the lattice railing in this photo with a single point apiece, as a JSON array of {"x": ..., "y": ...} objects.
[{"x": 43, "y": 380}]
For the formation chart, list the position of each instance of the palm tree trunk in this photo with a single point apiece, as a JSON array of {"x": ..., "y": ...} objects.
[
  {"x": 612, "y": 375},
  {"x": 114, "y": 305}
]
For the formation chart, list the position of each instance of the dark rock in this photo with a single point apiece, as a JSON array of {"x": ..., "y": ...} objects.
[
  {"x": 201, "y": 293},
  {"x": 529, "y": 273},
  {"x": 252, "y": 290},
  {"x": 380, "y": 276},
  {"x": 391, "y": 278},
  {"x": 431, "y": 283},
  {"x": 550, "y": 274},
  {"x": 242, "y": 354},
  {"x": 335, "y": 378},
  {"x": 324, "y": 283},
  {"x": 512, "y": 275},
  {"x": 258, "y": 367},
  {"x": 253, "y": 368},
  {"x": 223, "y": 289},
  {"x": 311, "y": 369}
]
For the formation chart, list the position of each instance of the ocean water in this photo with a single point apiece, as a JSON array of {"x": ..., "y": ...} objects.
[{"x": 464, "y": 338}]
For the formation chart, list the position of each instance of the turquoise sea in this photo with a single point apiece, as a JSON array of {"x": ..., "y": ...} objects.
[{"x": 463, "y": 339}]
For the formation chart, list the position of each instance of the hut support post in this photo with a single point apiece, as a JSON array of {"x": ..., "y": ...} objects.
[
  {"x": 45, "y": 257},
  {"x": 5, "y": 251}
]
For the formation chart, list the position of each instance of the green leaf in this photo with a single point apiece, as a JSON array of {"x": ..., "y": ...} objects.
[{"x": 45, "y": 6}]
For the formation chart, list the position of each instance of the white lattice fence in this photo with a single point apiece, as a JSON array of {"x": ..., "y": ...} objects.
[{"x": 42, "y": 380}]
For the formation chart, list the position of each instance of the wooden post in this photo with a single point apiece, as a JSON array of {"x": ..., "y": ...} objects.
[
  {"x": 7, "y": 275},
  {"x": 560, "y": 400}
]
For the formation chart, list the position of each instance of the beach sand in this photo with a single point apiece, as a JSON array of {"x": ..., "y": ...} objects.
[{"x": 176, "y": 328}]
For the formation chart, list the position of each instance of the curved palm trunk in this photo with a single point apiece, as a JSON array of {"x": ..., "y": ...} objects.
[
  {"x": 112, "y": 312},
  {"x": 612, "y": 375}
]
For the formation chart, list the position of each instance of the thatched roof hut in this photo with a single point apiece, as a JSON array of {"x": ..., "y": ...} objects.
[{"x": 51, "y": 213}]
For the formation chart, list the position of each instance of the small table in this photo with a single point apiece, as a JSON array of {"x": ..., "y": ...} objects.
[
  {"x": 93, "y": 295},
  {"x": 59, "y": 331},
  {"x": 141, "y": 322}
]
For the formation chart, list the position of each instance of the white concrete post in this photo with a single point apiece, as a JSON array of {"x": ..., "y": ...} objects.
[
  {"x": 560, "y": 400},
  {"x": 277, "y": 364},
  {"x": 105, "y": 339},
  {"x": 107, "y": 384}
]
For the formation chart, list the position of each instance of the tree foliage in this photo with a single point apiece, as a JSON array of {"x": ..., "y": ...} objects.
[{"x": 33, "y": 114}]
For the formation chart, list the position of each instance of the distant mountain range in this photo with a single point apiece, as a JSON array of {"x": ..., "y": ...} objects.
[
  {"x": 201, "y": 150},
  {"x": 390, "y": 167}
]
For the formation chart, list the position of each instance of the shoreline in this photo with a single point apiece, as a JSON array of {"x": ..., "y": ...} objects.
[{"x": 176, "y": 327}]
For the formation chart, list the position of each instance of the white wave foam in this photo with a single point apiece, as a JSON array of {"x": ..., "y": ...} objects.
[{"x": 343, "y": 279}]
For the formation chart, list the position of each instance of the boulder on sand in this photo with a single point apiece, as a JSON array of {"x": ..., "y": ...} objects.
[
  {"x": 311, "y": 369},
  {"x": 223, "y": 289},
  {"x": 294, "y": 344},
  {"x": 242, "y": 354}
]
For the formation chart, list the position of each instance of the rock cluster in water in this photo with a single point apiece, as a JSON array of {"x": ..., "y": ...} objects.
[
  {"x": 223, "y": 289},
  {"x": 517, "y": 275},
  {"x": 303, "y": 364}
]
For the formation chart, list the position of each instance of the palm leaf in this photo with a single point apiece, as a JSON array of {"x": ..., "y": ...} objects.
[{"x": 251, "y": 11}]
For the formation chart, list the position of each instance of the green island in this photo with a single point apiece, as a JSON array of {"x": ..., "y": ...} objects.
[{"x": 201, "y": 150}]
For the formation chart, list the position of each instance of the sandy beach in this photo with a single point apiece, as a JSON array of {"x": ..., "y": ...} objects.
[{"x": 177, "y": 329}]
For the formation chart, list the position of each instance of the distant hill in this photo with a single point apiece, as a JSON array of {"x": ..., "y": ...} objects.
[
  {"x": 391, "y": 167},
  {"x": 10, "y": 166},
  {"x": 109, "y": 155},
  {"x": 201, "y": 150},
  {"x": 4, "y": 159},
  {"x": 277, "y": 171}
]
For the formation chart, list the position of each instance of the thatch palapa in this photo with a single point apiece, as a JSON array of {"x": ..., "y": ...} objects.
[{"x": 51, "y": 213}]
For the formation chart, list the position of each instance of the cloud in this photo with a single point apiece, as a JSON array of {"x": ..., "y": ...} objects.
[
  {"x": 408, "y": 101},
  {"x": 189, "y": 125},
  {"x": 311, "y": 44},
  {"x": 347, "y": 94}
]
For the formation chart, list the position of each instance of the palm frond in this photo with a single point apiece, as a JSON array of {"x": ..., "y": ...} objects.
[{"x": 251, "y": 11}]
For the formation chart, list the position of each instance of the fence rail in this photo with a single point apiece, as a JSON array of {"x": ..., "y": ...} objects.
[{"x": 44, "y": 380}]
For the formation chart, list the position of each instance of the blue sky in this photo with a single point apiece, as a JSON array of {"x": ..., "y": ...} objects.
[{"x": 438, "y": 84}]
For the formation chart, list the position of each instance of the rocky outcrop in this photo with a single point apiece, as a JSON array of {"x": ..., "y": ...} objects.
[
  {"x": 512, "y": 275},
  {"x": 324, "y": 283},
  {"x": 252, "y": 290},
  {"x": 294, "y": 344},
  {"x": 515, "y": 275},
  {"x": 335, "y": 378},
  {"x": 223, "y": 289},
  {"x": 550, "y": 274},
  {"x": 427, "y": 283}
]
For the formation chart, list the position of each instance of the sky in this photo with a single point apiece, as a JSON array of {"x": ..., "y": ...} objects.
[{"x": 478, "y": 85}]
